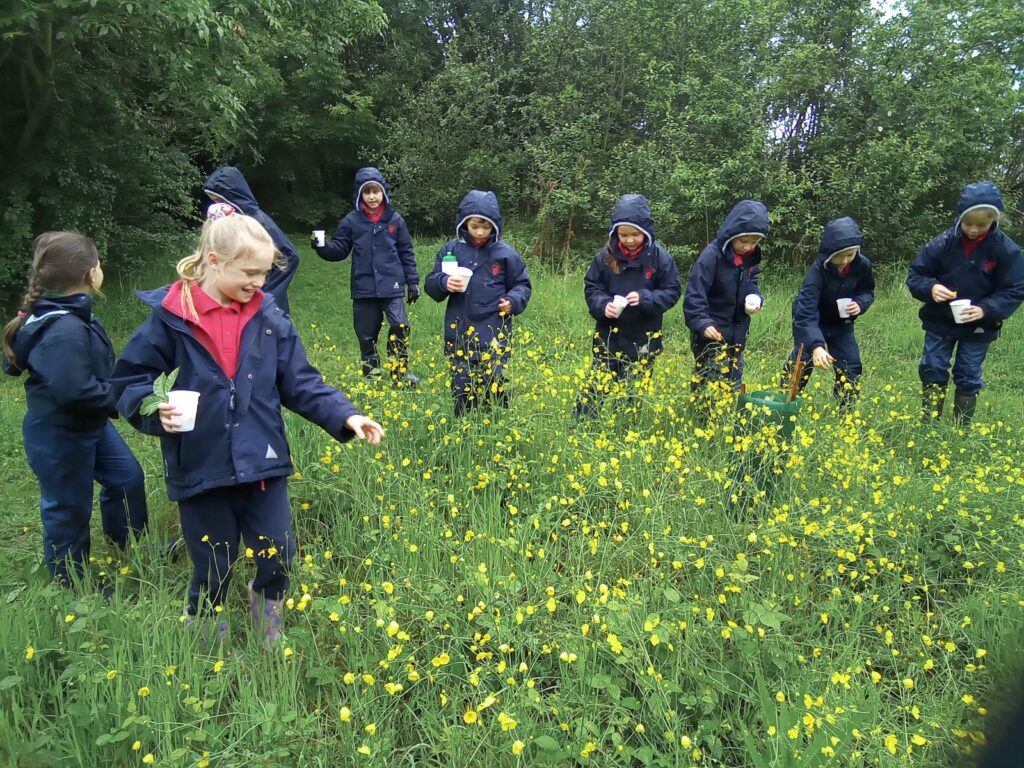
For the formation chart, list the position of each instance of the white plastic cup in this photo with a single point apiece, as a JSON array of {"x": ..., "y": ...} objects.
[
  {"x": 752, "y": 303},
  {"x": 187, "y": 402},
  {"x": 959, "y": 306},
  {"x": 843, "y": 305},
  {"x": 321, "y": 237},
  {"x": 620, "y": 301},
  {"x": 465, "y": 272}
]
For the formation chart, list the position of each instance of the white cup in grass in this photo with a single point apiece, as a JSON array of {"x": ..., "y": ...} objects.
[
  {"x": 843, "y": 305},
  {"x": 466, "y": 273},
  {"x": 187, "y": 403},
  {"x": 958, "y": 306},
  {"x": 320, "y": 235},
  {"x": 752, "y": 303}
]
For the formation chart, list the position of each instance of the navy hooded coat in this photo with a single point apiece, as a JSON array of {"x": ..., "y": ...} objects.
[
  {"x": 69, "y": 360},
  {"x": 472, "y": 320},
  {"x": 229, "y": 183},
  {"x": 239, "y": 435},
  {"x": 383, "y": 261},
  {"x": 992, "y": 278},
  {"x": 652, "y": 274},
  {"x": 717, "y": 289},
  {"x": 815, "y": 314}
]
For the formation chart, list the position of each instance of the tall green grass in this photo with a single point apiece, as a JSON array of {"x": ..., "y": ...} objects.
[{"x": 516, "y": 589}]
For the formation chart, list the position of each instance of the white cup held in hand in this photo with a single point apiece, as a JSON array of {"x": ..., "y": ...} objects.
[
  {"x": 465, "y": 273},
  {"x": 843, "y": 305},
  {"x": 620, "y": 302},
  {"x": 320, "y": 235},
  {"x": 752, "y": 303},
  {"x": 958, "y": 307},
  {"x": 187, "y": 402}
]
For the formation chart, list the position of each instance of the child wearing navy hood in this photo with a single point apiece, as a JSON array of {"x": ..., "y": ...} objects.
[
  {"x": 492, "y": 288},
  {"x": 69, "y": 440},
  {"x": 722, "y": 293},
  {"x": 227, "y": 185},
  {"x": 840, "y": 273},
  {"x": 631, "y": 284},
  {"x": 383, "y": 268},
  {"x": 972, "y": 260},
  {"x": 229, "y": 475}
]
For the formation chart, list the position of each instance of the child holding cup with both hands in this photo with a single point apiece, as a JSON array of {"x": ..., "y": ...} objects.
[{"x": 973, "y": 261}]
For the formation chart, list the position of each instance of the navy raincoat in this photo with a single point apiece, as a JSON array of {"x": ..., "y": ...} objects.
[
  {"x": 383, "y": 261},
  {"x": 472, "y": 320},
  {"x": 815, "y": 314},
  {"x": 69, "y": 360},
  {"x": 239, "y": 435},
  {"x": 229, "y": 183},
  {"x": 652, "y": 273},
  {"x": 992, "y": 278},
  {"x": 717, "y": 289}
]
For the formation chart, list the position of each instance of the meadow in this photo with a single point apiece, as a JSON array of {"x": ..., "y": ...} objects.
[{"x": 514, "y": 589}]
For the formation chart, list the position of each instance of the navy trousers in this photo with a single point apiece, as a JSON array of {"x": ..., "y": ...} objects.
[
  {"x": 67, "y": 463},
  {"x": 368, "y": 318},
  {"x": 715, "y": 361},
  {"x": 212, "y": 524},
  {"x": 938, "y": 350},
  {"x": 847, "y": 365},
  {"x": 478, "y": 378}
]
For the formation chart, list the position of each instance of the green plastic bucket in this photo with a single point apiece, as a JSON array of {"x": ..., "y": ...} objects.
[{"x": 769, "y": 407}]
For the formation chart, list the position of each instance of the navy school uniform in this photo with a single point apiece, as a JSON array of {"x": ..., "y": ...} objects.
[
  {"x": 716, "y": 292},
  {"x": 229, "y": 474},
  {"x": 477, "y": 335},
  {"x": 69, "y": 440},
  {"x": 634, "y": 338},
  {"x": 992, "y": 278},
  {"x": 229, "y": 183},
  {"x": 816, "y": 320},
  {"x": 383, "y": 269}
]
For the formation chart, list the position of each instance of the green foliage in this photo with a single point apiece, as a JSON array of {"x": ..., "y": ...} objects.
[{"x": 161, "y": 388}]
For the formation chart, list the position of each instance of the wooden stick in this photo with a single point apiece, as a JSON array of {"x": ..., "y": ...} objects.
[{"x": 798, "y": 370}]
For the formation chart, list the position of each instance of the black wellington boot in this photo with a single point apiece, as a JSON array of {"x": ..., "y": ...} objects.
[
  {"x": 933, "y": 398},
  {"x": 963, "y": 409}
]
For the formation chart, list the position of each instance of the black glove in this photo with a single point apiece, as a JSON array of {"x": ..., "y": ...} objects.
[{"x": 414, "y": 292}]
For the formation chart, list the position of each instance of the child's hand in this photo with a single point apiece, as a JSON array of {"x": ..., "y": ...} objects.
[
  {"x": 633, "y": 299},
  {"x": 972, "y": 313},
  {"x": 611, "y": 311},
  {"x": 169, "y": 417},
  {"x": 456, "y": 284},
  {"x": 365, "y": 429},
  {"x": 504, "y": 305},
  {"x": 821, "y": 358},
  {"x": 941, "y": 293},
  {"x": 712, "y": 333},
  {"x": 852, "y": 309}
]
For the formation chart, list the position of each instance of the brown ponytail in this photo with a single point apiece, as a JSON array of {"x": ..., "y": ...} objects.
[
  {"x": 610, "y": 261},
  {"x": 60, "y": 261}
]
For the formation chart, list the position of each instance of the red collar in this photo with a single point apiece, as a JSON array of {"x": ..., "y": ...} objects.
[
  {"x": 630, "y": 255},
  {"x": 375, "y": 216},
  {"x": 971, "y": 245},
  {"x": 204, "y": 303}
]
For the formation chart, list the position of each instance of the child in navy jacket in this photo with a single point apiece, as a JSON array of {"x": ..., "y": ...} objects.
[
  {"x": 228, "y": 185},
  {"x": 478, "y": 319},
  {"x": 229, "y": 475},
  {"x": 722, "y": 293},
  {"x": 383, "y": 268},
  {"x": 69, "y": 440},
  {"x": 840, "y": 273},
  {"x": 631, "y": 284},
  {"x": 972, "y": 260}
]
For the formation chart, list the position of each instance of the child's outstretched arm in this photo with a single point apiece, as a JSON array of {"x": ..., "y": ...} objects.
[
  {"x": 695, "y": 302},
  {"x": 923, "y": 274},
  {"x": 406, "y": 253},
  {"x": 340, "y": 245},
  {"x": 1009, "y": 293},
  {"x": 436, "y": 283},
  {"x": 517, "y": 283},
  {"x": 667, "y": 287},
  {"x": 806, "y": 317},
  {"x": 594, "y": 289},
  {"x": 865, "y": 295},
  {"x": 141, "y": 362}
]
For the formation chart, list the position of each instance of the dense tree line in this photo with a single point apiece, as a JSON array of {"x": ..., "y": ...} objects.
[{"x": 113, "y": 111}]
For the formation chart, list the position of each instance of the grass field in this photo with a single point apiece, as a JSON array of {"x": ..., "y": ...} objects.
[{"x": 513, "y": 589}]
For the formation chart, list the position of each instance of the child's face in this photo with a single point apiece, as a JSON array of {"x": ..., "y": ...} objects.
[
  {"x": 741, "y": 246},
  {"x": 240, "y": 278},
  {"x": 843, "y": 258},
  {"x": 977, "y": 223},
  {"x": 373, "y": 196},
  {"x": 479, "y": 228},
  {"x": 630, "y": 237}
]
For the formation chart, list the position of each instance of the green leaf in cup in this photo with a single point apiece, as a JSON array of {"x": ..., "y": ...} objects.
[{"x": 161, "y": 388}]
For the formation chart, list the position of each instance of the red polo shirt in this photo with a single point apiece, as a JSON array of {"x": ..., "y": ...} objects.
[{"x": 217, "y": 327}]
